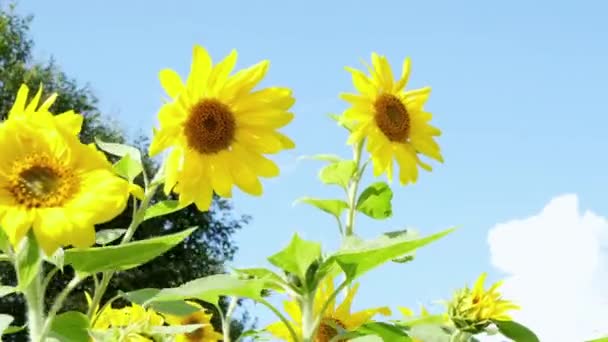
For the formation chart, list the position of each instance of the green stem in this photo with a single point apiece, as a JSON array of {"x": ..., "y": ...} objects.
[
  {"x": 460, "y": 336},
  {"x": 352, "y": 190},
  {"x": 138, "y": 217},
  {"x": 228, "y": 319},
  {"x": 59, "y": 303},
  {"x": 283, "y": 319},
  {"x": 35, "y": 308},
  {"x": 308, "y": 319}
]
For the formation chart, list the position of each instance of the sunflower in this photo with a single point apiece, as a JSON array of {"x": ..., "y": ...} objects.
[
  {"x": 206, "y": 333},
  {"x": 135, "y": 318},
  {"x": 472, "y": 310},
  {"x": 393, "y": 120},
  {"x": 332, "y": 318},
  {"x": 218, "y": 129},
  {"x": 52, "y": 183}
]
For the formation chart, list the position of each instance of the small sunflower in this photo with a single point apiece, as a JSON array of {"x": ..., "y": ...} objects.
[
  {"x": 332, "y": 318},
  {"x": 206, "y": 333},
  {"x": 135, "y": 318},
  {"x": 472, "y": 310},
  {"x": 219, "y": 129},
  {"x": 52, "y": 183},
  {"x": 393, "y": 120}
]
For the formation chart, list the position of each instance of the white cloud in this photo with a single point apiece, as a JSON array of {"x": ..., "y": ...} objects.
[{"x": 556, "y": 264}]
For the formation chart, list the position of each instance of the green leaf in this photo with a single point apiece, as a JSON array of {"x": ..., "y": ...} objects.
[
  {"x": 176, "y": 308},
  {"x": 28, "y": 262},
  {"x": 210, "y": 288},
  {"x": 375, "y": 201},
  {"x": 6, "y": 290},
  {"x": 128, "y": 168},
  {"x": 12, "y": 329},
  {"x": 70, "y": 326},
  {"x": 324, "y": 157},
  {"x": 122, "y": 257},
  {"x": 5, "y": 246},
  {"x": 386, "y": 332},
  {"x": 516, "y": 331},
  {"x": 57, "y": 258},
  {"x": 162, "y": 208},
  {"x": 176, "y": 329},
  {"x": 297, "y": 257},
  {"x": 601, "y": 339},
  {"x": 333, "y": 207},
  {"x": 359, "y": 257},
  {"x": 105, "y": 236},
  {"x": 5, "y": 321},
  {"x": 341, "y": 121},
  {"x": 338, "y": 173},
  {"x": 271, "y": 280},
  {"x": 119, "y": 150}
]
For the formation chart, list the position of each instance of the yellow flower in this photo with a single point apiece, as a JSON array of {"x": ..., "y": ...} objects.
[
  {"x": 333, "y": 316},
  {"x": 206, "y": 333},
  {"x": 473, "y": 310},
  {"x": 136, "y": 319},
  {"x": 52, "y": 183},
  {"x": 219, "y": 129},
  {"x": 393, "y": 120}
]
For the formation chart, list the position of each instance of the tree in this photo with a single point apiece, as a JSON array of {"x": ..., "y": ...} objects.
[{"x": 204, "y": 252}]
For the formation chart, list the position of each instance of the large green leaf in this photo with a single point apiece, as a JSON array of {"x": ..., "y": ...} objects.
[
  {"x": 162, "y": 208},
  {"x": 333, "y": 207},
  {"x": 105, "y": 236},
  {"x": 128, "y": 168},
  {"x": 28, "y": 262},
  {"x": 210, "y": 288},
  {"x": 385, "y": 331},
  {"x": 5, "y": 321},
  {"x": 338, "y": 173},
  {"x": 271, "y": 280},
  {"x": 297, "y": 257},
  {"x": 176, "y": 308},
  {"x": 362, "y": 256},
  {"x": 119, "y": 150},
  {"x": 375, "y": 201},
  {"x": 516, "y": 331},
  {"x": 122, "y": 257},
  {"x": 601, "y": 339},
  {"x": 70, "y": 326},
  {"x": 6, "y": 290}
]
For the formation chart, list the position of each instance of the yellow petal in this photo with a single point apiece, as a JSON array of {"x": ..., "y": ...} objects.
[
  {"x": 408, "y": 170},
  {"x": 244, "y": 178},
  {"x": 136, "y": 191},
  {"x": 269, "y": 119},
  {"x": 259, "y": 141},
  {"x": 70, "y": 121},
  {"x": 31, "y": 107},
  {"x": 275, "y": 98},
  {"x": 362, "y": 83},
  {"x": 260, "y": 165},
  {"x": 19, "y": 105},
  {"x": 405, "y": 75},
  {"x": 199, "y": 72},
  {"x": 219, "y": 171},
  {"x": 383, "y": 70},
  {"x": 48, "y": 102},
  {"x": 16, "y": 222},
  {"x": 171, "y": 82},
  {"x": 219, "y": 74},
  {"x": 343, "y": 309},
  {"x": 50, "y": 228},
  {"x": 358, "y": 318},
  {"x": 244, "y": 81}
]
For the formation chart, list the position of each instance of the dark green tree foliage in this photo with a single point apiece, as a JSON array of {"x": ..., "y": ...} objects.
[{"x": 204, "y": 252}]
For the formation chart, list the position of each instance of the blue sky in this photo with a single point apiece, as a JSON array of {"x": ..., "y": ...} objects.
[{"x": 519, "y": 92}]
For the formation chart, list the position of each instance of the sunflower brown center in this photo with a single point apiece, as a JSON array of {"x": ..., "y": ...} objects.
[
  {"x": 195, "y": 335},
  {"x": 210, "y": 127},
  {"x": 327, "y": 330},
  {"x": 392, "y": 117},
  {"x": 39, "y": 181}
]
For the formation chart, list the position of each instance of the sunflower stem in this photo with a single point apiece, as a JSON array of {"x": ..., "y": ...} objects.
[
  {"x": 308, "y": 318},
  {"x": 227, "y": 319},
  {"x": 460, "y": 336},
  {"x": 35, "y": 308},
  {"x": 138, "y": 217},
  {"x": 58, "y": 304},
  {"x": 352, "y": 190}
]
